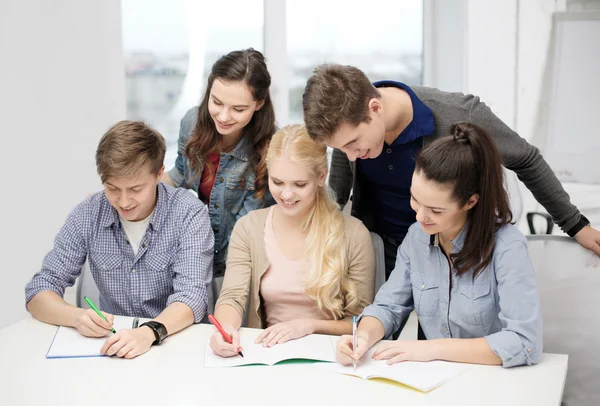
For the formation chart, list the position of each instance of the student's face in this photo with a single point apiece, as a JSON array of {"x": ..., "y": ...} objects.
[
  {"x": 363, "y": 141},
  {"x": 133, "y": 197},
  {"x": 293, "y": 186},
  {"x": 231, "y": 106},
  {"x": 436, "y": 211}
]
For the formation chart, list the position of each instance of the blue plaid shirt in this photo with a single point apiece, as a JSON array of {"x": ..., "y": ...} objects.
[{"x": 173, "y": 264}]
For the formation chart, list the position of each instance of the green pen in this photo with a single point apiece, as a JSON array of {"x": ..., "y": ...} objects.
[{"x": 94, "y": 308}]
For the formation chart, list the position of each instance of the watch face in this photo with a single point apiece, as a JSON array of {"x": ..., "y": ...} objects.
[{"x": 162, "y": 331}]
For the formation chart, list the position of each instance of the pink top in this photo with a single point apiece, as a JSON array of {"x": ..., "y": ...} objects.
[{"x": 281, "y": 286}]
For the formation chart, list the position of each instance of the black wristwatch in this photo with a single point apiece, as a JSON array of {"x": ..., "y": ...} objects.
[
  {"x": 583, "y": 221},
  {"x": 159, "y": 329}
]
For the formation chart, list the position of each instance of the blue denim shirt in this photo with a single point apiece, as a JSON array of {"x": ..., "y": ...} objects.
[
  {"x": 173, "y": 263},
  {"x": 500, "y": 304},
  {"x": 232, "y": 195}
]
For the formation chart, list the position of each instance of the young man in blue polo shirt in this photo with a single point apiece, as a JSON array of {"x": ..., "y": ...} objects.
[
  {"x": 149, "y": 247},
  {"x": 377, "y": 131}
]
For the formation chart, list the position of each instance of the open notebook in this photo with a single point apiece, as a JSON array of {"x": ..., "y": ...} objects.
[
  {"x": 423, "y": 376},
  {"x": 313, "y": 347},
  {"x": 69, "y": 343}
]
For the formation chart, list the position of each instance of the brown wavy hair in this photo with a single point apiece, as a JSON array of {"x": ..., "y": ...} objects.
[
  {"x": 247, "y": 66},
  {"x": 469, "y": 161}
]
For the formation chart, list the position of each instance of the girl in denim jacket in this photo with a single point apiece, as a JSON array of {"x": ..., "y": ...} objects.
[{"x": 223, "y": 143}]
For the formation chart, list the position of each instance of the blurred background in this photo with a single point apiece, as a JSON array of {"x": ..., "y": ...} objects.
[{"x": 71, "y": 68}]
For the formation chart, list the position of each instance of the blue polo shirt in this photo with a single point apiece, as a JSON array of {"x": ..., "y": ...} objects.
[{"x": 389, "y": 176}]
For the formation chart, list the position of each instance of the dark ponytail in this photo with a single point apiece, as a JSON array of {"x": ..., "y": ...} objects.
[{"x": 470, "y": 162}]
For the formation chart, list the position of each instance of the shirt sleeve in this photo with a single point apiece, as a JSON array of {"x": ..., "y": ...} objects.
[
  {"x": 62, "y": 265},
  {"x": 178, "y": 172},
  {"x": 193, "y": 266},
  {"x": 340, "y": 177},
  {"x": 394, "y": 301},
  {"x": 520, "y": 340},
  {"x": 235, "y": 291},
  {"x": 361, "y": 267},
  {"x": 529, "y": 165}
]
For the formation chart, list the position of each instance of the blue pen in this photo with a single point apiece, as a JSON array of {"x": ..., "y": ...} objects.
[{"x": 353, "y": 341}]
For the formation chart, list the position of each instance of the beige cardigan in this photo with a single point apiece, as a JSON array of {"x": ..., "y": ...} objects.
[{"x": 247, "y": 262}]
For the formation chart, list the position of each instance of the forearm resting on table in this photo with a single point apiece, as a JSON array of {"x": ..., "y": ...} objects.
[
  {"x": 469, "y": 350},
  {"x": 49, "y": 307},
  {"x": 176, "y": 317},
  {"x": 228, "y": 315}
]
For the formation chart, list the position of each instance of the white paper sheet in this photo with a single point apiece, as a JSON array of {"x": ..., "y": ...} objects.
[
  {"x": 423, "y": 376},
  {"x": 69, "y": 343},
  {"x": 312, "y": 347}
]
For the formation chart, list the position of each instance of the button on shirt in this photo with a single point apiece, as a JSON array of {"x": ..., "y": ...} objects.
[
  {"x": 173, "y": 264},
  {"x": 500, "y": 304}
]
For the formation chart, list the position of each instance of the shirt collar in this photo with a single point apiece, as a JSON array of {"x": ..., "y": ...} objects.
[
  {"x": 112, "y": 217},
  {"x": 422, "y": 123},
  {"x": 457, "y": 242}
]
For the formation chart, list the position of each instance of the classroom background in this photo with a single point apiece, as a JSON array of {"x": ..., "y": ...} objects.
[{"x": 72, "y": 68}]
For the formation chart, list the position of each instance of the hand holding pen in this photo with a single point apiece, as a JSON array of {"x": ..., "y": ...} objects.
[
  {"x": 225, "y": 342},
  {"x": 351, "y": 348},
  {"x": 93, "y": 323}
]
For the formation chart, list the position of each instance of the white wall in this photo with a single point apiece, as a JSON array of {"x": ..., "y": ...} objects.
[
  {"x": 506, "y": 45},
  {"x": 62, "y": 86}
]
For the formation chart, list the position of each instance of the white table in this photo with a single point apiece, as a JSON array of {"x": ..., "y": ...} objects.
[{"x": 173, "y": 374}]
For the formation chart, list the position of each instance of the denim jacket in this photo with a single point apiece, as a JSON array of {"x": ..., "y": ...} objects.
[
  {"x": 501, "y": 303},
  {"x": 232, "y": 195}
]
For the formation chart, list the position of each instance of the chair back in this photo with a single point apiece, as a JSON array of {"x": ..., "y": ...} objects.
[
  {"x": 568, "y": 278},
  {"x": 379, "y": 261}
]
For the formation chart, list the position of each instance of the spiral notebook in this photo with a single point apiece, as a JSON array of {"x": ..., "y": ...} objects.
[{"x": 69, "y": 343}]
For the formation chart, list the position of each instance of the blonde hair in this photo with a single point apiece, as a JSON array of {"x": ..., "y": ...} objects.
[
  {"x": 126, "y": 147},
  {"x": 327, "y": 281}
]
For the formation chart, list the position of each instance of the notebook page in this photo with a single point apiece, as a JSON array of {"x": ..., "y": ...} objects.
[
  {"x": 68, "y": 342},
  {"x": 314, "y": 347},
  {"x": 423, "y": 376}
]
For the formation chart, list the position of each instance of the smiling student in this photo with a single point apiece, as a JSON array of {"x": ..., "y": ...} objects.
[
  {"x": 149, "y": 247},
  {"x": 223, "y": 145},
  {"x": 377, "y": 130},
  {"x": 301, "y": 265},
  {"x": 463, "y": 267}
]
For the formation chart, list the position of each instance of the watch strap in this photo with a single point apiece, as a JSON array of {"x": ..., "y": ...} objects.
[
  {"x": 583, "y": 221},
  {"x": 159, "y": 330}
]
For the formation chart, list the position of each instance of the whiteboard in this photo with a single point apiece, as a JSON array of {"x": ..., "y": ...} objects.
[{"x": 573, "y": 139}]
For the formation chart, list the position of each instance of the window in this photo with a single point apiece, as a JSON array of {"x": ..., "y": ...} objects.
[
  {"x": 170, "y": 47},
  {"x": 383, "y": 38}
]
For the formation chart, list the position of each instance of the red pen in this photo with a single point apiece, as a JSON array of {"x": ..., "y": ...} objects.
[{"x": 226, "y": 336}]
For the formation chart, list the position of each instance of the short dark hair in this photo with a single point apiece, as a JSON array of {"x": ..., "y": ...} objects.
[{"x": 334, "y": 95}]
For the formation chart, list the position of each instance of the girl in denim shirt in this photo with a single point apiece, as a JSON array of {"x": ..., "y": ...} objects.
[
  {"x": 223, "y": 143},
  {"x": 462, "y": 266}
]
